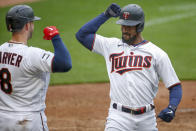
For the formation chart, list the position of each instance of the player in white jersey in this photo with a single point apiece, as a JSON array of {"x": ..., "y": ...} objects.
[
  {"x": 25, "y": 72},
  {"x": 134, "y": 67}
]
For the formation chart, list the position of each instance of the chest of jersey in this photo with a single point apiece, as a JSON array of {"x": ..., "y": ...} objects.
[{"x": 125, "y": 59}]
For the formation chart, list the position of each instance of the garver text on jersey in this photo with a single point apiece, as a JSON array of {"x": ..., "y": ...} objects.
[{"x": 10, "y": 58}]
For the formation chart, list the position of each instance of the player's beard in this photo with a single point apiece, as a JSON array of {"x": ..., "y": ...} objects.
[{"x": 129, "y": 41}]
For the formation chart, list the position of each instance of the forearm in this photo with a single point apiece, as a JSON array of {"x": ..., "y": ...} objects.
[
  {"x": 175, "y": 95},
  {"x": 62, "y": 59},
  {"x": 86, "y": 34}
]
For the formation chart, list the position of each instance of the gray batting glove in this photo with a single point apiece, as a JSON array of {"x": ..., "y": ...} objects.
[{"x": 113, "y": 10}]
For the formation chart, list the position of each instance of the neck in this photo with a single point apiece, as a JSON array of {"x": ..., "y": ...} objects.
[
  {"x": 138, "y": 39},
  {"x": 19, "y": 38}
]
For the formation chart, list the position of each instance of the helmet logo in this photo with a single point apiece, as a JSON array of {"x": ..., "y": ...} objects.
[{"x": 126, "y": 15}]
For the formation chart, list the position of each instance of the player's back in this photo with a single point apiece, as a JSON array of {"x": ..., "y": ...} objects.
[{"x": 23, "y": 87}]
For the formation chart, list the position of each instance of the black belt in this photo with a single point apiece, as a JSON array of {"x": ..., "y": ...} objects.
[{"x": 138, "y": 111}]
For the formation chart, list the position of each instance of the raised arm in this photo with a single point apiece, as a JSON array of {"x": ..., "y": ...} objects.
[
  {"x": 62, "y": 59},
  {"x": 86, "y": 34}
]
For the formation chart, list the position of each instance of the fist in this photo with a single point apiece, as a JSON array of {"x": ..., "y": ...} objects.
[
  {"x": 50, "y": 32},
  {"x": 167, "y": 114},
  {"x": 113, "y": 10}
]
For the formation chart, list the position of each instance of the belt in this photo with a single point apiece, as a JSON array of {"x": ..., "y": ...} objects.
[{"x": 137, "y": 111}]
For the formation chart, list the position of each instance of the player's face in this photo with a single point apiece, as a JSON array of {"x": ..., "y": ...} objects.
[
  {"x": 128, "y": 32},
  {"x": 31, "y": 29}
]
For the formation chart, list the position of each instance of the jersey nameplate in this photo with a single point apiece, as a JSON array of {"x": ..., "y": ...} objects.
[{"x": 10, "y": 58}]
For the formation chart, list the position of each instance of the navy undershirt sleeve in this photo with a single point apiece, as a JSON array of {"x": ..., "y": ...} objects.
[
  {"x": 86, "y": 34},
  {"x": 62, "y": 59},
  {"x": 175, "y": 95}
]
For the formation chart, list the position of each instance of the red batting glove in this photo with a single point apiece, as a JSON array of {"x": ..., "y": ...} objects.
[{"x": 50, "y": 32}]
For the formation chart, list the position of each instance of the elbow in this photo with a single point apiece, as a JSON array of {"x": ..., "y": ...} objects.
[
  {"x": 62, "y": 66},
  {"x": 78, "y": 36},
  {"x": 68, "y": 67}
]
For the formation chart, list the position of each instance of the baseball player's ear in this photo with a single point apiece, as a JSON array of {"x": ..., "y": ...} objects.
[{"x": 27, "y": 26}]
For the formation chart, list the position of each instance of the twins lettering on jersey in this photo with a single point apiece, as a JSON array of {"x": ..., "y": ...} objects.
[
  {"x": 10, "y": 58},
  {"x": 122, "y": 64}
]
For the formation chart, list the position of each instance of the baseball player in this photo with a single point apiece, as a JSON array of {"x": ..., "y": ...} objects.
[
  {"x": 25, "y": 72},
  {"x": 134, "y": 67}
]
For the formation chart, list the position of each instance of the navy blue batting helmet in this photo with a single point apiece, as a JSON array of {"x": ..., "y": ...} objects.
[
  {"x": 18, "y": 16},
  {"x": 132, "y": 15}
]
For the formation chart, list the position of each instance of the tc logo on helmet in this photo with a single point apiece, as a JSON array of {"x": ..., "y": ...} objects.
[{"x": 126, "y": 15}]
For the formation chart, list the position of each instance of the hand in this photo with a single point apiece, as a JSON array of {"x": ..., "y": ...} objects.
[
  {"x": 50, "y": 32},
  {"x": 113, "y": 10},
  {"x": 168, "y": 113}
]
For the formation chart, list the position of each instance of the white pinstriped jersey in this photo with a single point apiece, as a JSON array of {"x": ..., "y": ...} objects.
[
  {"x": 24, "y": 77},
  {"x": 134, "y": 72}
]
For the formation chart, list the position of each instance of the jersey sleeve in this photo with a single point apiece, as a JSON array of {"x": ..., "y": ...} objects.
[
  {"x": 41, "y": 60},
  {"x": 166, "y": 71},
  {"x": 101, "y": 45}
]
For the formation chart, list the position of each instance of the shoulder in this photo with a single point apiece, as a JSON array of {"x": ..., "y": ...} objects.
[
  {"x": 35, "y": 49},
  {"x": 156, "y": 52},
  {"x": 4, "y": 45},
  {"x": 108, "y": 40},
  {"x": 37, "y": 52},
  {"x": 155, "y": 49}
]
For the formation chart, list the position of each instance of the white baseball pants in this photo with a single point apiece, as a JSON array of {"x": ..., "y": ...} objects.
[
  {"x": 122, "y": 121},
  {"x": 23, "y": 121}
]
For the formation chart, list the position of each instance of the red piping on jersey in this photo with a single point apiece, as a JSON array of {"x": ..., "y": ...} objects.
[
  {"x": 93, "y": 42},
  {"x": 174, "y": 85}
]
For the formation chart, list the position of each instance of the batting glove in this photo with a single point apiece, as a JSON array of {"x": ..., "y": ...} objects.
[
  {"x": 168, "y": 113},
  {"x": 50, "y": 32},
  {"x": 113, "y": 10}
]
